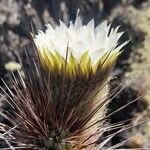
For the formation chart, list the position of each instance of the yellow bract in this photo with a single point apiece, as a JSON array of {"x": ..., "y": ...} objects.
[{"x": 71, "y": 66}]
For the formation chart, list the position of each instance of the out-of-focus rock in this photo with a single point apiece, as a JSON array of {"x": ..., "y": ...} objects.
[{"x": 12, "y": 66}]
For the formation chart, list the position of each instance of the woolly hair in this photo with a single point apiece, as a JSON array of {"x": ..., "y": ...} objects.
[{"x": 60, "y": 103}]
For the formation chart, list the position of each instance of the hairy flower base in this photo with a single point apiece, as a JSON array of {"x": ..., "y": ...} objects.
[{"x": 52, "y": 110}]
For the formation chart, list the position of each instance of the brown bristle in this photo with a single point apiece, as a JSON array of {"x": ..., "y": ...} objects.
[{"x": 50, "y": 110}]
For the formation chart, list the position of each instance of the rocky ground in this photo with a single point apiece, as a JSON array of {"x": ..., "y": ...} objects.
[{"x": 19, "y": 18}]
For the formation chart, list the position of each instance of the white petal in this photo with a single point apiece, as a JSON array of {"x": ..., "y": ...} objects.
[
  {"x": 96, "y": 55},
  {"x": 78, "y": 48},
  {"x": 121, "y": 46},
  {"x": 78, "y": 23},
  {"x": 80, "y": 38}
]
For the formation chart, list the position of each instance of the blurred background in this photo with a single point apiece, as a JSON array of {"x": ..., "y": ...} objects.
[{"x": 20, "y": 17}]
